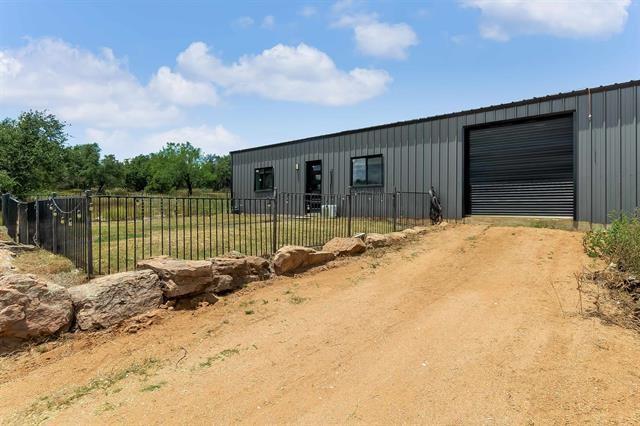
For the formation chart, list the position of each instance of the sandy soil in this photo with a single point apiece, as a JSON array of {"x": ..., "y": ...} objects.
[{"x": 472, "y": 324}]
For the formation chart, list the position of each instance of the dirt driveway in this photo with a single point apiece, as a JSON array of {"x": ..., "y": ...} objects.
[{"x": 472, "y": 324}]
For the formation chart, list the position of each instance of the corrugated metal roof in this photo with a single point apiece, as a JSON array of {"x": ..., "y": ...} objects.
[{"x": 453, "y": 114}]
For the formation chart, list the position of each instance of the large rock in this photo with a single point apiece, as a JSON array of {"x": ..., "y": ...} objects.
[
  {"x": 374, "y": 240},
  {"x": 395, "y": 237},
  {"x": 345, "y": 246},
  {"x": 6, "y": 261},
  {"x": 180, "y": 277},
  {"x": 30, "y": 307},
  {"x": 111, "y": 299},
  {"x": 293, "y": 258},
  {"x": 230, "y": 273}
]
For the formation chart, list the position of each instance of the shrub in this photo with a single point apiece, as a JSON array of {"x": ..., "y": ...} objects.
[{"x": 618, "y": 243}]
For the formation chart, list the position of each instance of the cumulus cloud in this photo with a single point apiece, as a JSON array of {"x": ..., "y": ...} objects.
[
  {"x": 212, "y": 139},
  {"x": 293, "y": 73},
  {"x": 268, "y": 22},
  {"x": 243, "y": 22},
  {"x": 79, "y": 86},
  {"x": 379, "y": 39},
  {"x": 501, "y": 20},
  {"x": 174, "y": 88},
  {"x": 308, "y": 11}
]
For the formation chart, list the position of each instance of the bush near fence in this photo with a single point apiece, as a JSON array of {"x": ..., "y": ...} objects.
[{"x": 103, "y": 234}]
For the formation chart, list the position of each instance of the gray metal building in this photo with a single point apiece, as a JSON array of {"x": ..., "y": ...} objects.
[{"x": 573, "y": 154}]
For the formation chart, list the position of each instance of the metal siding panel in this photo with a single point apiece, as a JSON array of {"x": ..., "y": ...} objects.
[
  {"x": 451, "y": 167},
  {"x": 584, "y": 165},
  {"x": 545, "y": 107},
  {"x": 557, "y": 105},
  {"x": 501, "y": 114},
  {"x": 612, "y": 103},
  {"x": 397, "y": 158},
  {"x": 570, "y": 103},
  {"x": 411, "y": 159},
  {"x": 599, "y": 157},
  {"x": 404, "y": 167},
  {"x": 490, "y": 116},
  {"x": 462, "y": 120},
  {"x": 533, "y": 109},
  {"x": 428, "y": 148},
  {"x": 420, "y": 157},
  {"x": 444, "y": 156},
  {"x": 435, "y": 155},
  {"x": 511, "y": 113},
  {"x": 521, "y": 111},
  {"x": 629, "y": 147}
]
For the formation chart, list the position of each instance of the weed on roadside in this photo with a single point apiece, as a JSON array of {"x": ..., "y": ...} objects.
[
  {"x": 64, "y": 399},
  {"x": 249, "y": 312},
  {"x": 154, "y": 387},
  {"x": 220, "y": 356},
  {"x": 296, "y": 300}
]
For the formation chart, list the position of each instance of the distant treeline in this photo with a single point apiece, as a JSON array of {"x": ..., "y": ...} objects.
[{"x": 35, "y": 158}]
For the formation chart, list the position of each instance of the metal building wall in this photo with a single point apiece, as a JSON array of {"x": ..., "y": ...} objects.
[{"x": 425, "y": 152}]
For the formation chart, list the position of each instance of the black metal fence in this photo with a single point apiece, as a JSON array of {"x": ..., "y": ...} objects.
[{"x": 103, "y": 234}]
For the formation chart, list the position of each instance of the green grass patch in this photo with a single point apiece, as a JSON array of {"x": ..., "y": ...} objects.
[
  {"x": 619, "y": 243},
  {"x": 64, "y": 399},
  {"x": 220, "y": 356}
]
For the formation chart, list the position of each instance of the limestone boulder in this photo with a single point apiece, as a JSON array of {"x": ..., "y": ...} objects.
[
  {"x": 109, "y": 300},
  {"x": 345, "y": 246},
  {"x": 294, "y": 258},
  {"x": 375, "y": 240},
  {"x": 32, "y": 308},
  {"x": 180, "y": 277},
  {"x": 395, "y": 237},
  {"x": 230, "y": 273}
]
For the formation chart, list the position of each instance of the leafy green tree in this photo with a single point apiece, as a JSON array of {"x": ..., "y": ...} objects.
[
  {"x": 217, "y": 172},
  {"x": 32, "y": 151},
  {"x": 137, "y": 174},
  {"x": 177, "y": 165},
  {"x": 83, "y": 165},
  {"x": 110, "y": 173}
]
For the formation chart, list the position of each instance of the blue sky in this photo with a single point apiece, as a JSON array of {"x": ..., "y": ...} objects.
[{"x": 229, "y": 75}]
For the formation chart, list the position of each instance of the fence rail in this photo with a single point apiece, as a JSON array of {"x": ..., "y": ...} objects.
[{"x": 103, "y": 234}]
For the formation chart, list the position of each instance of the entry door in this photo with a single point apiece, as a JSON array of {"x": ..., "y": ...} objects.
[
  {"x": 313, "y": 185},
  {"x": 521, "y": 169}
]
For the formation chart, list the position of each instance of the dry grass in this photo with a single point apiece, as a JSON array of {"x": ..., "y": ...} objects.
[{"x": 55, "y": 268}]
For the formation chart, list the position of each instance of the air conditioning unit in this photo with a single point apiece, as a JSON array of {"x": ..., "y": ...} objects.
[{"x": 329, "y": 210}]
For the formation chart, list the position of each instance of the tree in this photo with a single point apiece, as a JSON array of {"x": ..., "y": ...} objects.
[
  {"x": 83, "y": 164},
  {"x": 32, "y": 151},
  {"x": 217, "y": 171},
  {"x": 110, "y": 173},
  {"x": 136, "y": 173},
  {"x": 177, "y": 165}
]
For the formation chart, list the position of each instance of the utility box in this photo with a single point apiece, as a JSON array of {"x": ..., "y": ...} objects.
[{"x": 329, "y": 210}]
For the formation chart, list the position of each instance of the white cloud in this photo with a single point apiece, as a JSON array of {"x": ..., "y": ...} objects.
[
  {"x": 308, "y": 11},
  {"x": 269, "y": 22},
  {"x": 173, "y": 87},
  {"x": 301, "y": 73},
  {"x": 79, "y": 86},
  {"x": 243, "y": 22},
  {"x": 379, "y": 39},
  {"x": 212, "y": 140},
  {"x": 500, "y": 20}
]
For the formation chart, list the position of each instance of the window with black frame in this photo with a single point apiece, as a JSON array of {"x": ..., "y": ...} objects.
[
  {"x": 367, "y": 171},
  {"x": 263, "y": 179}
]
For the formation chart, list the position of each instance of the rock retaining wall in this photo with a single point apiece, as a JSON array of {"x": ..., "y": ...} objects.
[{"x": 34, "y": 308}]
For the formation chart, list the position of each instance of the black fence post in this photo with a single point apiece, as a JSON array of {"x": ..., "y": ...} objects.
[
  {"x": 274, "y": 229},
  {"x": 395, "y": 210},
  {"x": 349, "y": 214},
  {"x": 89, "y": 239}
]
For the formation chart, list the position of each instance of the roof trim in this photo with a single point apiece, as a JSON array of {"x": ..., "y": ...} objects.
[{"x": 614, "y": 86}]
